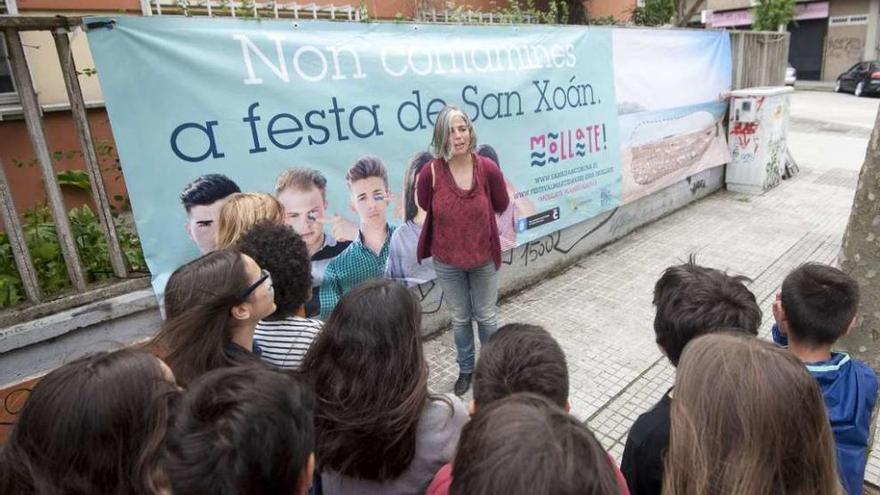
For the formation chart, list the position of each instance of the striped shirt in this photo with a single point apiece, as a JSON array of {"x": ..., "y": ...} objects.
[{"x": 285, "y": 342}]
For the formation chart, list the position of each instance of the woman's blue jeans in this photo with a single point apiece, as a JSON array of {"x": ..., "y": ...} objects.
[{"x": 470, "y": 295}]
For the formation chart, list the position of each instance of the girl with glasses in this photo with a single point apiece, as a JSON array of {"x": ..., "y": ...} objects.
[{"x": 212, "y": 306}]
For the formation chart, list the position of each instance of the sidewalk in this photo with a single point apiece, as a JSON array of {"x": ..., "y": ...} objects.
[{"x": 600, "y": 309}]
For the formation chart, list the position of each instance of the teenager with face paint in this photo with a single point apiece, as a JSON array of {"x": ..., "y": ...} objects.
[{"x": 365, "y": 258}]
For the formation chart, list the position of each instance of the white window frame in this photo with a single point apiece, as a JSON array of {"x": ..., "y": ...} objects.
[
  {"x": 11, "y": 7},
  {"x": 8, "y": 98}
]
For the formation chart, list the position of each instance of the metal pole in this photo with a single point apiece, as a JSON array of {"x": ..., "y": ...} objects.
[
  {"x": 23, "y": 260},
  {"x": 80, "y": 119},
  {"x": 31, "y": 108}
]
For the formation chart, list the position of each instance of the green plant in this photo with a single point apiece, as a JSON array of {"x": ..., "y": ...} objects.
[
  {"x": 42, "y": 240},
  {"x": 74, "y": 178},
  {"x": 607, "y": 20},
  {"x": 654, "y": 13},
  {"x": 521, "y": 11},
  {"x": 772, "y": 15}
]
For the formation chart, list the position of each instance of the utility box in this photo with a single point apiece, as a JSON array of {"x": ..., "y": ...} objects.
[{"x": 757, "y": 138}]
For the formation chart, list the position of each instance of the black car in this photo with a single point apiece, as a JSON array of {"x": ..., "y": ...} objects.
[{"x": 862, "y": 79}]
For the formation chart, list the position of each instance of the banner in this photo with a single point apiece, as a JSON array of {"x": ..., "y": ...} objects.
[
  {"x": 581, "y": 119},
  {"x": 671, "y": 88}
]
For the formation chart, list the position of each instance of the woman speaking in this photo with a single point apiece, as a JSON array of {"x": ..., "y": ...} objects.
[{"x": 461, "y": 193}]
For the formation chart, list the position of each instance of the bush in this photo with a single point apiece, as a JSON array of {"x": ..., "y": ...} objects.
[{"x": 42, "y": 241}]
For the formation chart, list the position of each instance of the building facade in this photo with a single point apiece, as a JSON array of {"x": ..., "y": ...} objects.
[{"x": 827, "y": 37}]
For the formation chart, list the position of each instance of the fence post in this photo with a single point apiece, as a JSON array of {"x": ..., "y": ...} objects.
[
  {"x": 32, "y": 118},
  {"x": 81, "y": 122},
  {"x": 23, "y": 260}
]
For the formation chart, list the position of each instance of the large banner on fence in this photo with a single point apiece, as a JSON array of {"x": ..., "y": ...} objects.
[{"x": 581, "y": 119}]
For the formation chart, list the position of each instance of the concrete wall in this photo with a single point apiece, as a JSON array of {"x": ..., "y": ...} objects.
[
  {"x": 619, "y": 9},
  {"x": 845, "y": 45},
  {"x": 740, "y": 4},
  {"x": 42, "y": 57},
  {"x": 728, "y": 4},
  {"x": 849, "y": 7},
  {"x": 24, "y": 176},
  {"x": 35, "y": 347}
]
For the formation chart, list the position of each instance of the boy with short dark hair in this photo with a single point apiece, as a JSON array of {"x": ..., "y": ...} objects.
[
  {"x": 521, "y": 358},
  {"x": 285, "y": 336},
  {"x": 518, "y": 358},
  {"x": 524, "y": 444},
  {"x": 203, "y": 199},
  {"x": 817, "y": 306},
  {"x": 366, "y": 256},
  {"x": 245, "y": 430},
  {"x": 691, "y": 300}
]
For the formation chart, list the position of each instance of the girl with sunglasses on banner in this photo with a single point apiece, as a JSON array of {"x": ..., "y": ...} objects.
[
  {"x": 461, "y": 193},
  {"x": 212, "y": 306}
]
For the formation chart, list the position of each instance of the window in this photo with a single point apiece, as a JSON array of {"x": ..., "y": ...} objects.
[{"x": 7, "y": 86}]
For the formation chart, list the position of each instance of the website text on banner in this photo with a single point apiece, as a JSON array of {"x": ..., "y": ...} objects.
[{"x": 580, "y": 119}]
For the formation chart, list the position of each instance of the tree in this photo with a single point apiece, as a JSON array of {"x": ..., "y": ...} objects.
[
  {"x": 684, "y": 12},
  {"x": 654, "y": 13},
  {"x": 664, "y": 12},
  {"x": 860, "y": 256},
  {"x": 772, "y": 15}
]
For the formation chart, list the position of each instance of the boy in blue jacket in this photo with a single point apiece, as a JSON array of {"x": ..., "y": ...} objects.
[{"x": 816, "y": 307}]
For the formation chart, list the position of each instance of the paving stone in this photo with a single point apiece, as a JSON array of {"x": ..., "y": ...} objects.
[{"x": 600, "y": 309}]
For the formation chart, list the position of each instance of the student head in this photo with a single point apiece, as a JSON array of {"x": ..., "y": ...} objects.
[
  {"x": 210, "y": 303},
  {"x": 281, "y": 251},
  {"x": 203, "y": 198},
  {"x": 747, "y": 417},
  {"x": 489, "y": 152},
  {"x": 415, "y": 166},
  {"x": 94, "y": 425},
  {"x": 370, "y": 375},
  {"x": 819, "y": 304},
  {"x": 302, "y": 193},
  {"x": 521, "y": 358},
  {"x": 245, "y": 430},
  {"x": 368, "y": 183},
  {"x": 241, "y": 212},
  {"x": 526, "y": 445},
  {"x": 692, "y": 300},
  {"x": 454, "y": 134}
]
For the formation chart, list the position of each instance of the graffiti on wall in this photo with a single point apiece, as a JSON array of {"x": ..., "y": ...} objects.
[{"x": 846, "y": 48}]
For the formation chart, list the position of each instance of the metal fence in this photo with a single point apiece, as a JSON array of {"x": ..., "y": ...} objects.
[
  {"x": 253, "y": 9},
  {"x": 759, "y": 58},
  {"x": 461, "y": 16},
  {"x": 82, "y": 291}
]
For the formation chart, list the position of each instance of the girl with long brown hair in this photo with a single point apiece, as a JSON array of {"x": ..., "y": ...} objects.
[
  {"x": 213, "y": 305},
  {"x": 379, "y": 430},
  {"x": 747, "y": 418},
  {"x": 93, "y": 426}
]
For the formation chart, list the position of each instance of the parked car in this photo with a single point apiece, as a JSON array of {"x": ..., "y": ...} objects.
[
  {"x": 862, "y": 79},
  {"x": 790, "y": 75}
]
